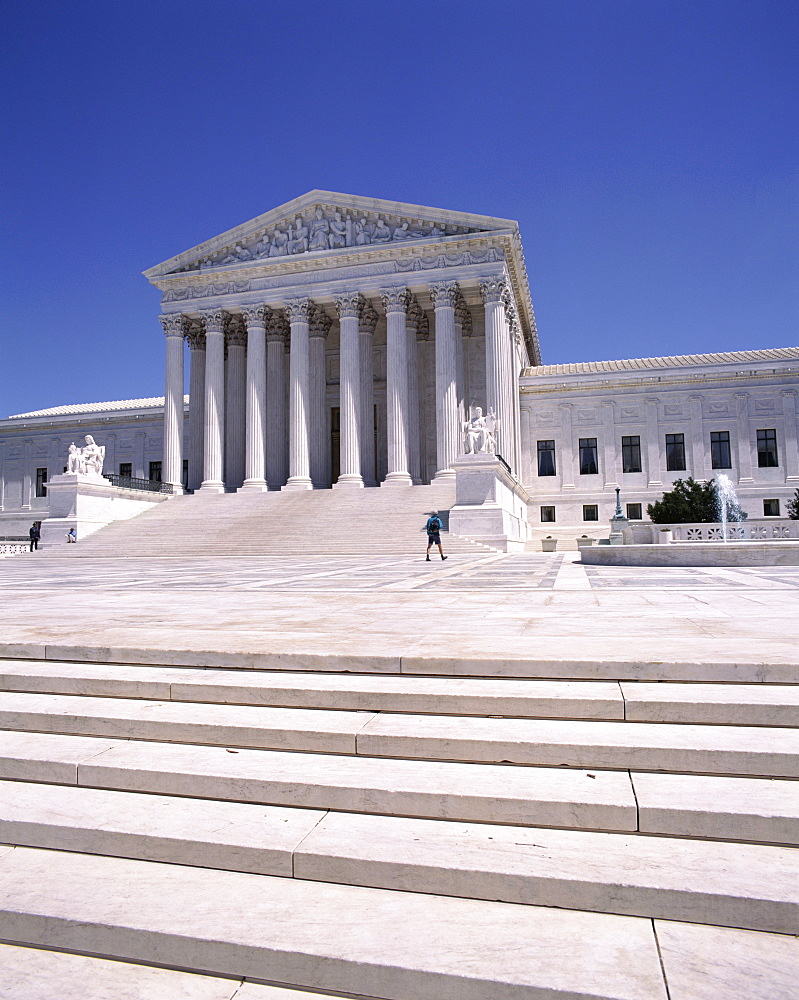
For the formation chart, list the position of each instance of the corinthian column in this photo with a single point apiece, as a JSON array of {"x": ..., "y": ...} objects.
[
  {"x": 255, "y": 443},
  {"x": 213, "y": 438},
  {"x": 319, "y": 327},
  {"x": 276, "y": 409},
  {"x": 414, "y": 319},
  {"x": 172, "y": 468},
  {"x": 195, "y": 336},
  {"x": 366, "y": 329},
  {"x": 492, "y": 291},
  {"x": 299, "y": 442},
  {"x": 445, "y": 296},
  {"x": 235, "y": 399},
  {"x": 349, "y": 305},
  {"x": 395, "y": 302}
]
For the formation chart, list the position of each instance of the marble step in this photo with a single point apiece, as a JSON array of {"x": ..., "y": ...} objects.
[
  {"x": 36, "y": 974},
  {"x": 743, "y": 809},
  {"x": 749, "y": 886},
  {"x": 373, "y": 942},
  {"x": 461, "y": 696},
  {"x": 743, "y": 750},
  {"x": 716, "y": 704}
]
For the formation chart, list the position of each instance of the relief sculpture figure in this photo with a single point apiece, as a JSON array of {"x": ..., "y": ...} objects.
[
  {"x": 338, "y": 232},
  {"x": 401, "y": 232},
  {"x": 363, "y": 235},
  {"x": 382, "y": 233},
  {"x": 320, "y": 230},
  {"x": 298, "y": 237},
  {"x": 279, "y": 246}
]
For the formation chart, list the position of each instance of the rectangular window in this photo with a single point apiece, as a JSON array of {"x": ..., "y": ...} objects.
[
  {"x": 546, "y": 458},
  {"x": 771, "y": 508},
  {"x": 675, "y": 452},
  {"x": 634, "y": 511},
  {"x": 590, "y": 512},
  {"x": 767, "y": 449},
  {"x": 631, "y": 454},
  {"x": 125, "y": 470},
  {"x": 155, "y": 472},
  {"x": 588, "y": 466},
  {"x": 720, "y": 450},
  {"x": 547, "y": 514},
  {"x": 41, "y": 479}
]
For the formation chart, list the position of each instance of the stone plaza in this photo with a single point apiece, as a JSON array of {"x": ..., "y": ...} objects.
[{"x": 254, "y": 746}]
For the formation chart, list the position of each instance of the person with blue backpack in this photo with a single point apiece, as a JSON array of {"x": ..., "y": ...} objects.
[{"x": 433, "y": 529}]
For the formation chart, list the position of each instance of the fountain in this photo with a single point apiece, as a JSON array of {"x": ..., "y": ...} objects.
[{"x": 727, "y": 504}]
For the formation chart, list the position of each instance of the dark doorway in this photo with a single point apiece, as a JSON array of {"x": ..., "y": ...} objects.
[{"x": 335, "y": 442}]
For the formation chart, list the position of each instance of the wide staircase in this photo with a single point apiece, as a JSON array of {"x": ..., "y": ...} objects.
[
  {"x": 314, "y": 522},
  {"x": 277, "y": 834}
]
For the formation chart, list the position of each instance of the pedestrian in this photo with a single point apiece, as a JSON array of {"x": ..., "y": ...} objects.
[
  {"x": 72, "y": 535},
  {"x": 433, "y": 529},
  {"x": 34, "y": 533}
]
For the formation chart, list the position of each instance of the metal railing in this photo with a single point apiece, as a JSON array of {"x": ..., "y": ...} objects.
[{"x": 146, "y": 485}]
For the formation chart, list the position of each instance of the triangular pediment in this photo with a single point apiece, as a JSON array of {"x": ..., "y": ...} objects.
[{"x": 327, "y": 222}]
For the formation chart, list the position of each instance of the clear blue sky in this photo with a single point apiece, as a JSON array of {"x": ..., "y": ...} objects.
[{"x": 648, "y": 149}]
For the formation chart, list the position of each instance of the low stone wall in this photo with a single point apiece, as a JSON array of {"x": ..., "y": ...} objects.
[{"x": 775, "y": 553}]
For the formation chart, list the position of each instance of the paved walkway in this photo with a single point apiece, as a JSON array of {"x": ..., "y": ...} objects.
[{"x": 535, "y": 606}]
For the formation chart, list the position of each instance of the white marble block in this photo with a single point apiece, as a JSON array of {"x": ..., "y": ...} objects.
[{"x": 490, "y": 504}]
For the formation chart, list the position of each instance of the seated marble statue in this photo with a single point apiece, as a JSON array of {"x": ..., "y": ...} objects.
[
  {"x": 74, "y": 460},
  {"x": 475, "y": 432},
  {"x": 92, "y": 457},
  {"x": 338, "y": 232},
  {"x": 279, "y": 245},
  {"x": 320, "y": 230},
  {"x": 363, "y": 234},
  {"x": 298, "y": 237},
  {"x": 382, "y": 233}
]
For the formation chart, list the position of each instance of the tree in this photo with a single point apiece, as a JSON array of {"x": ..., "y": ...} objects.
[
  {"x": 689, "y": 502},
  {"x": 793, "y": 507}
]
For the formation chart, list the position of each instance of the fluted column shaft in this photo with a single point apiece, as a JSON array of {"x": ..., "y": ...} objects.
[
  {"x": 349, "y": 306},
  {"x": 299, "y": 442},
  {"x": 414, "y": 457},
  {"x": 320, "y": 324},
  {"x": 172, "y": 468},
  {"x": 395, "y": 301},
  {"x": 235, "y": 400},
  {"x": 214, "y": 432},
  {"x": 491, "y": 290},
  {"x": 445, "y": 295},
  {"x": 196, "y": 339},
  {"x": 367, "y": 321},
  {"x": 460, "y": 380},
  {"x": 276, "y": 409},
  {"x": 255, "y": 406}
]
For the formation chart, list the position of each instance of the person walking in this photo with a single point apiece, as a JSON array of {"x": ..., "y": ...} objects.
[
  {"x": 433, "y": 529},
  {"x": 34, "y": 533}
]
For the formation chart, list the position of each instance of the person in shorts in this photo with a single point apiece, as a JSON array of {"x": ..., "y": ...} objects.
[{"x": 433, "y": 528}]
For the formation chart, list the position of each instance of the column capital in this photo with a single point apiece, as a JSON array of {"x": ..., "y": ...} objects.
[
  {"x": 173, "y": 324},
  {"x": 349, "y": 305},
  {"x": 298, "y": 309},
  {"x": 368, "y": 318},
  {"x": 255, "y": 315},
  {"x": 194, "y": 335},
  {"x": 445, "y": 294},
  {"x": 277, "y": 327},
  {"x": 492, "y": 289},
  {"x": 319, "y": 321},
  {"x": 213, "y": 320},
  {"x": 463, "y": 317},
  {"x": 235, "y": 330},
  {"x": 395, "y": 299}
]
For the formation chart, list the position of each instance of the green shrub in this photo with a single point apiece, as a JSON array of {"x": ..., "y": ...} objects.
[
  {"x": 792, "y": 507},
  {"x": 689, "y": 502}
]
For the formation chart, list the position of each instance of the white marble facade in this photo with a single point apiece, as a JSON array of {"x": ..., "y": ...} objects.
[{"x": 342, "y": 341}]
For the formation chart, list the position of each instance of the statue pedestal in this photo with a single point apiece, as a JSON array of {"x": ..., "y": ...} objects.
[
  {"x": 490, "y": 503},
  {"x": 618, "y": 526},
  {"x": 88, "y": 503}
]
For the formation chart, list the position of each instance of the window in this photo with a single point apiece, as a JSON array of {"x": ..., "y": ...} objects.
[
  {"x": 631, "y": 454},
  {"x": 155, "y": 472},
  {"x": 590, "y": 512},
  {"x": 125, "y": 470},
  {"x": 720, "y": 450},
  {"x": 547, "y": 513},
  {"x": 771, "y": 508},
  {"x": 41, "y": 479},
  {"x": 588, "y": 465},
  {"x": 767, "y": 449},
  {"x": 546, "y": 458},
  {"x": 675, "y": 452},
  {"x": 634, "y": 510}
]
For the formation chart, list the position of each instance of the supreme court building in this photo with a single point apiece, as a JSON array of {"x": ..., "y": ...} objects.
[{"x": 340, "y": 341}]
